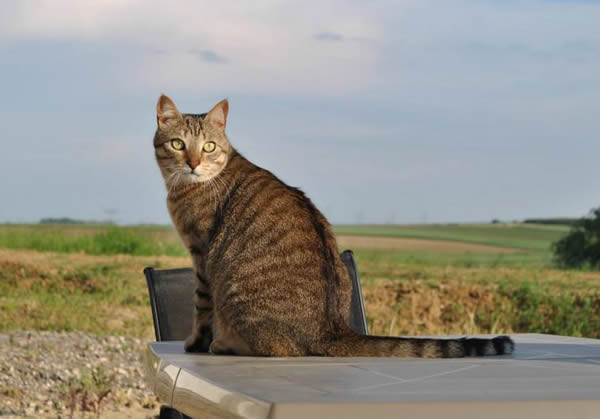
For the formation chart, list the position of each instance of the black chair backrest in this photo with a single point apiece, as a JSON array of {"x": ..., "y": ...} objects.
[
  {"x": 171, "y": 298},
  {"x": 358, "y": 319}
]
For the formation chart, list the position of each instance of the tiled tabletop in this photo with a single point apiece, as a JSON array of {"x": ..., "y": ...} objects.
[{"x": 556, "y": 375}]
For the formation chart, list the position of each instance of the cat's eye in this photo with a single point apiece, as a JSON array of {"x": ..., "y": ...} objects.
[
  {"x": 209, "y": 147},
  {"x": 177, "y": 144}
]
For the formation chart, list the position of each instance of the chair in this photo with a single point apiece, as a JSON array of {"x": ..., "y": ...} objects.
[
  {"x": 171, "y": 292},
  {"x": 358, "y": 319},
  {"x": 171, "y": 298}
]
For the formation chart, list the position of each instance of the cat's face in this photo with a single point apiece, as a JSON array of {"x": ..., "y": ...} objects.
[{"x": 190, "y": 148}]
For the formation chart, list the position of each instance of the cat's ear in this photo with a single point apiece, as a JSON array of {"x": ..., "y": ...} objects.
[
  {"x": 166, "y": 111},
  {"x": 217, "y": 116}
]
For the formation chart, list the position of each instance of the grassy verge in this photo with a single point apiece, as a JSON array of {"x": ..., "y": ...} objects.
[
  {"x": 410, "y": 299},
  {"x": 92, "y": 240},
  {"x": 107, "y": 295},
  {"x": 62, "y": 291}
]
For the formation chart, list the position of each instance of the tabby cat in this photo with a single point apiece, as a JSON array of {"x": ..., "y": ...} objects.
[{"x": 270, "y": 281}]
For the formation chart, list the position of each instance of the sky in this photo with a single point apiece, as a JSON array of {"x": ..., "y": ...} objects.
[{"x": 405, "y": 111}]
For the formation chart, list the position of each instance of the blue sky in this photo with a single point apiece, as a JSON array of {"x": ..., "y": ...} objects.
[{"x": 381, "y": 111}]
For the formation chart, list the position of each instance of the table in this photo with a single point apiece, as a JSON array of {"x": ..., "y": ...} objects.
[{"x": 547, "y": 376}]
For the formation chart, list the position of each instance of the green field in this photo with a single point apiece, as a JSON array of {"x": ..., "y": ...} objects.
[
  {"x": 531, "y": 244},
  {"x": 532, "y": 241},
  {"x": 92, "y": 239},
  {"x": 516, "y": 236},
  {"x": 89, "y": 278},
  {"x": 531, "y": 260}
]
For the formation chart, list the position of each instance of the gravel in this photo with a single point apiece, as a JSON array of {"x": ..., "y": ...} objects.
[{"x": 58, "y": 374}]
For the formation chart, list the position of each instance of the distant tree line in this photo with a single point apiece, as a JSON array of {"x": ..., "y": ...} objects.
[
  {"x": 62, "y": 220},
  {"x": 67, "y": 220},
  {"x": 552, "y": 221},
  {"x": 581, "y": 247},
  {"x": 562, "y": 221}
]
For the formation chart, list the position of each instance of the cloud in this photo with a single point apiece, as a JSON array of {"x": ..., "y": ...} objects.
[
  {"x": 272, "y": 46},
  {"x": 208, "y": 56},
  {"x": 328, "y": 36}
]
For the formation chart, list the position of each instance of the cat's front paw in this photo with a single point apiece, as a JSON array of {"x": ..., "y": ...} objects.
[
  {"x": 218, "y": 347},
  {"x": 195, "y": 343}
]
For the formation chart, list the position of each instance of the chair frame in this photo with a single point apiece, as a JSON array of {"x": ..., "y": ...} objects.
[{"x": 358, "y": 319}]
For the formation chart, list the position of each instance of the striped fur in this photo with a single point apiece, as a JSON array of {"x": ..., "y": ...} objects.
[{"x": 270, "y": 281}]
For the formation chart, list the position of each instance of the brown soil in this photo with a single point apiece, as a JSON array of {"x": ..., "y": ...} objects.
[{"x": 397, "y": 243}]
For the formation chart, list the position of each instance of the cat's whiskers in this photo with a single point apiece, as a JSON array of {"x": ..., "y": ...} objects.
[
  {"x": 175, "y": 181},
  {"x": 169, "y": 181},
  {"x": 170, "y": 177}
]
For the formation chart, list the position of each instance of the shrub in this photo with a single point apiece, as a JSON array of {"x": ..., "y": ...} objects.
[{"x": 581, "y": 247}]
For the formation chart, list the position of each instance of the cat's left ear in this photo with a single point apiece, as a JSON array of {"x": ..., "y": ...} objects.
[
  {"x": 166, "y": 111},
  {"x": 217, "y": 116}
]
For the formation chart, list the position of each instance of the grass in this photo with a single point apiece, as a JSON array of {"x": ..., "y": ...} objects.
[
  {"x": 516, "y": 236},
  {"x": 89, "y": 392},
  {"x": 532, "y": 241},
  {"x": 89, "y": 278},
  {"x": 534, "y": 260},
  {"x": 76, "y": 292},
  {"x": 414, "y": 299},
  {"x": 92, "y": 240}
]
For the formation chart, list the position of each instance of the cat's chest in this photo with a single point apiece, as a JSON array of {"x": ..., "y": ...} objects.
[
  {"x": 195, "y": 237},
  {"x": 192, "y": 223},
  {"x": 194, "y": 233}
]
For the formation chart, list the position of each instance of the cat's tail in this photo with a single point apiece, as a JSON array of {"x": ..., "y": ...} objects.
[{"x": 379, "y": 346}]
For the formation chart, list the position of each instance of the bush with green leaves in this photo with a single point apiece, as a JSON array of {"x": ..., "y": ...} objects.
[{"x": 581, "y": 247}]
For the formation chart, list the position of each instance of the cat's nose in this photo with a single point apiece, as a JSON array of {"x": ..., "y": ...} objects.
[{"x": 193, "y": 164}]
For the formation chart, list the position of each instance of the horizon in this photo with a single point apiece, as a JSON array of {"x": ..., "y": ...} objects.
[{"x": 90, "y": 222}]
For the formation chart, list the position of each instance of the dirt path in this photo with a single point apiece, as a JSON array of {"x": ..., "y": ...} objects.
[{"x": 397, "y": 243}]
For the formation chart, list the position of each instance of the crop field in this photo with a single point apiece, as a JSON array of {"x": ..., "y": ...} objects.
[
  {"x": 431, "y": 279},
  {"x": 516, "y": 235}
]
